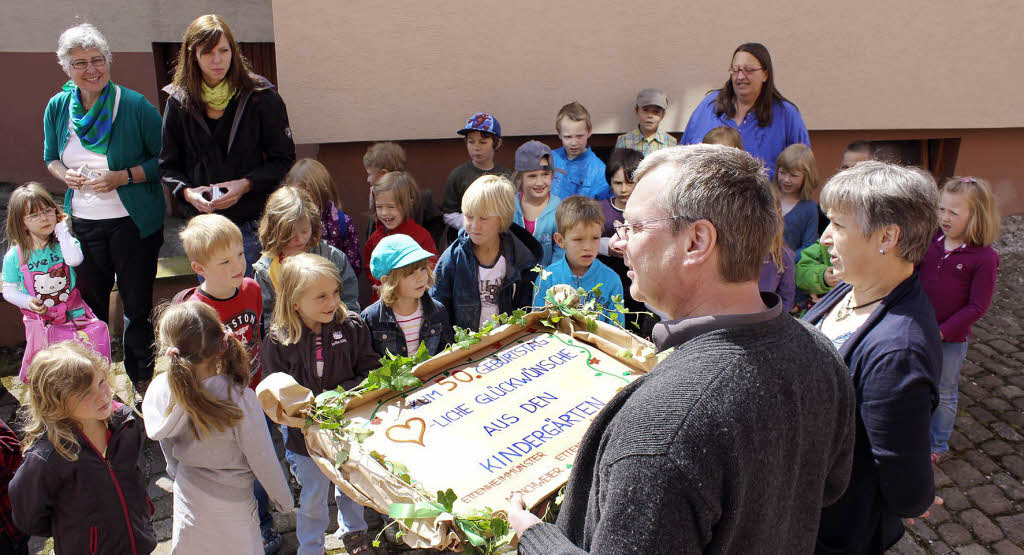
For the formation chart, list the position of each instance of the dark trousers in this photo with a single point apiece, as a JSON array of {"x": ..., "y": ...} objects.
[{"x": 114, "y": 251}]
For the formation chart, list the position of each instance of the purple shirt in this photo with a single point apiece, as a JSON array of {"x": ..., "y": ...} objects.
[
  {"x": 784, "y": 284},
  {"x": 611, "y": 215},
  {"x": 959, "y": 283}
]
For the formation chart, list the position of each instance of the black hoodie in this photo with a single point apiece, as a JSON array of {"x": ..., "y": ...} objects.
[{"x": 93, "y": 505}]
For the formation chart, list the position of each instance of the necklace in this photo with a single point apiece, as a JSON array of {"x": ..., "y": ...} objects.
[{"x": 846, "y": 309}]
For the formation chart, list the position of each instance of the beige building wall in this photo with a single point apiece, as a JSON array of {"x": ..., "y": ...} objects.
[{"x": 405, "y": 70}]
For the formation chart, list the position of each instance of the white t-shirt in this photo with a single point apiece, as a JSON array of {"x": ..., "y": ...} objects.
[
  {"x": 490, "y": 281},
  {"x": 85, "y": 203},
  {"x": 410, "y": 324}
]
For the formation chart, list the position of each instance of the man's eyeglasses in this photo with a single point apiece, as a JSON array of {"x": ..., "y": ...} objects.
[
  {"x": 624, "y": 230},
  {"x": 744, "y": 70},
  {"x": 41, "y": 216},
  {"x": 98, "y": 62}
]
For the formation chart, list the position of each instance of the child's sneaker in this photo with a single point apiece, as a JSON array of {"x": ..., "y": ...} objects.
[{"x": 271, "y": 541}]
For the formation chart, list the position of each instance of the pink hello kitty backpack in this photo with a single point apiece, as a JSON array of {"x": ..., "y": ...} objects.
[{"x": 53, "y": 287}]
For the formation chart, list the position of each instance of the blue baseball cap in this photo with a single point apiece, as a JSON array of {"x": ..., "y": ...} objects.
[
  {"x": 395, "y": 251},
  {"x": 482, "y": 121}
]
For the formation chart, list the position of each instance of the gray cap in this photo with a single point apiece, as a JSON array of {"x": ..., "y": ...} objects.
[
  {"x": 652, "y": 97},
  {"x": 530, "y": 157}
]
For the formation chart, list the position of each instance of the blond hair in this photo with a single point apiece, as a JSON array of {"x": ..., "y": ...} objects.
[
  {"x": 387, "y": 156},
  {"x": 207, "y": 234},
  {"x": 388, "y": 288},
  {"x": 778, "y": 241},
  {"x": 59, "y": 374},
  {"x": 983, "y": 225},
  {"x": 491, "y": 195},
  {"x": 798, "y": 157},
  {"x": 297, "y": 273},
  {"x": 723, "y": 135},
  {"x": 27, "y": 199},
  {"x": 577, "y": 210},
  {"x": 286, "y": 209},
  {"x": 404, "y": 189},
  {"x": 311, "y": 176},
  {"x": 575, "y": 112},
  {"x": 195, "y": 334}
]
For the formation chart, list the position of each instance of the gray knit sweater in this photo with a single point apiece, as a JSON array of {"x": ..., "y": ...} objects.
[{"x": 732, "y": 444}]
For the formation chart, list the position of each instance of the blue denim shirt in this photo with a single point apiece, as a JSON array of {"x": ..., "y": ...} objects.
[
  {"x": 386, "y": 335},
  {"x": 766, "y": 143},
  {"x": 456, "y": 284}
]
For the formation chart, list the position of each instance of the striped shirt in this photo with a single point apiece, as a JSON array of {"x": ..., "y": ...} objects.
[
  {"x": 410, "y": 324},
  {"x": 636, "y": 141}
]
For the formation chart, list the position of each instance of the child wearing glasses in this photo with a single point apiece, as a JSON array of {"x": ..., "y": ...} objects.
[{"x": 37, "y": 270}]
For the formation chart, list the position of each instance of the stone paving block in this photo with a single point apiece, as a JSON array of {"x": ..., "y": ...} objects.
[
  {"x": 972, "y": 549},
  {"x": 939, "y": 548},
  {"x": 1012, "y": 487},
  {"x": 1015, "y": 378},
  {"x": 1014, "y": 418},
  {"x": 1003, "y": 346},
  {"x": 941, "y": 479},
  {"x": 981, "y": 462},
  {"x": 972, "y": 390},
  {"x": 970, "y": 369},
  {"x": 907, "y": 546},
  {"x": 997, "y": 448},
  {"x": 989, "y": 498},
  {"x": 957, "y": 442},
  {"x": 160, "y": 487},
  {"x": 981, "y": 350},
  {"x": 1019, "y": 403},
  {"x": 921, "y": 530},
  {"x": 983, "y": 528},
  {"x": 963, "y": 473},
  {"x": 1009, "y": 391},
  {"x": 162, "y": 529},
  {"x": 1019, "y": 355},
  {"x": 990, "y": 381},
  {"x": 163, "y": 507},
  {"x": 1006, "y": 547},
  {"x": 1000, "y": 369},
  {"x": 1006, "y": 432},
  {"x": 981, "y": 415},
  {"x": 972, "y": 430},
  {"x": 996, "y": 404},
  {"x": 1013, "y": 526},
  {"x": 953, "y": 499},
  {"x": 955, "y": 534},
  {"x": 937, "y": 515}
]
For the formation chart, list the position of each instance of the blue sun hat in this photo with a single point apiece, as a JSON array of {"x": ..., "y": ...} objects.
[{"x": 395, "y": 251}]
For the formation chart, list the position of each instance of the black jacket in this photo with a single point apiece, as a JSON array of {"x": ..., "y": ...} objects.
[
  {"x": 88, "y": 504},
  {"x": 435, "y": 330},
  {"x": 348, "y": 360},
  {"x": 252, "y": 139}
]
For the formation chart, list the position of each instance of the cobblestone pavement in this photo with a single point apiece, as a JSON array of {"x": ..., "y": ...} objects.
[{"x": 982, "y": 481}]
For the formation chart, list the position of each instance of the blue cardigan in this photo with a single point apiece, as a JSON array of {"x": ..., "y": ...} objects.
[
  {"x": 894, "y": 360},
  {"x": 544, "y": 230},
  {"x": 801, "y": 229},
  {"x": 135, "y": 139}
]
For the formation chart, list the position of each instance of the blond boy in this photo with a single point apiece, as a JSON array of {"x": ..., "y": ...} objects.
[{"x": 584, "y": 171}]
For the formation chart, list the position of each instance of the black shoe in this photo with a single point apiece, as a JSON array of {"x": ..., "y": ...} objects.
[{"x": 271, "y": 541}]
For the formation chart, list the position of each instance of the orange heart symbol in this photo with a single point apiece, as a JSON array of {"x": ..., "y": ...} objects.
[{"x": 407, "y": 427}]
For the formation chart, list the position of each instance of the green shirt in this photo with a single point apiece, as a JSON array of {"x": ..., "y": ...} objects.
[{"x": 135, "y": 140}]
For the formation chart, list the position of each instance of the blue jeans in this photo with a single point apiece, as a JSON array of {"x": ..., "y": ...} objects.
[
  {"x": 263, "y": 502},
  {"x": 953, "y": 355},
  {"x": 312, "y": 518},
  {"x": 250, "y": 245}
]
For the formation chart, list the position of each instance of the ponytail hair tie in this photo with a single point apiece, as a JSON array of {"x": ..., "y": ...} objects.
[
  {"x": 227, "y": 339},
  {"x": 171, "y": 352},
  {"x": 966, "y": 180}
]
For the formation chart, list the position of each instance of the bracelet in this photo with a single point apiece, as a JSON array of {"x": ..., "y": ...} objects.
[{"x": 131, "y": 180}]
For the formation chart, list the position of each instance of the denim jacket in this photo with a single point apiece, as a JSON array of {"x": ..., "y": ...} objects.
[
  {"x": 435, "y": 329},
  {"x": 456, "y": 286}
]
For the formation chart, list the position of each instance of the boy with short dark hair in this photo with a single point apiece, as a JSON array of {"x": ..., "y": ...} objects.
[
  {"x": 650, "y": 108},
  {"x": 213, "y": 245},
  {"x": 482, "y": 133},
  {"x": 584, "y": 171},
  {"x": 580, "y": 221}
]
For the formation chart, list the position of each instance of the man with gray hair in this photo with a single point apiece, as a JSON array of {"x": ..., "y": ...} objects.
[{"x": 743, "y": 432}]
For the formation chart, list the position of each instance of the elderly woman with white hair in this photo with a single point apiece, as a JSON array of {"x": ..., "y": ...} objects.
[
  {"x": 879, "y": 318},
  {"x": 102, "y": 140}
]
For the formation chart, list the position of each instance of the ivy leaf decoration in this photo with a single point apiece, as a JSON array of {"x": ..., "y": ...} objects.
[
  {"x": 447, "y": 500},
  {"x": 340, "y": 458}
]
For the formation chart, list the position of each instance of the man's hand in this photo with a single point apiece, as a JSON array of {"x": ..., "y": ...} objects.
[
  {"x": 519, "y": 517},
  {"x": 194, "y": 196},
  {"x": 936, "y": 503},
  {"x": 235, "y": 188}
]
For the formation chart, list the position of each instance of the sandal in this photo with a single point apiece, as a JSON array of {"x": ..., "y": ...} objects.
[{"x": 358, "y": 543}]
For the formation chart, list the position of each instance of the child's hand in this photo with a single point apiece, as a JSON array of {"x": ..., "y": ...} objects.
[
  {"x": 37, "y": 306},
  {"x": 830, "y": 277},
  {"x": 106, "y": 181}
]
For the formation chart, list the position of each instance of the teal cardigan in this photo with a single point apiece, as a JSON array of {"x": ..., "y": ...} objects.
[{"x": 134, "y": 140}]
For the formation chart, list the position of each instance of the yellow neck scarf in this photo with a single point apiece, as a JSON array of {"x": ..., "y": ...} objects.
[{"x": 217, "y": 97}]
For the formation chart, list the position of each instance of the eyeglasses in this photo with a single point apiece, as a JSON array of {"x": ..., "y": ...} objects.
[
  {"x": 98, "y": 62},
  {"x": 744, "y": 70},
  {"x": 624, "y": 230},
  {"x": 41, "y": 215}
]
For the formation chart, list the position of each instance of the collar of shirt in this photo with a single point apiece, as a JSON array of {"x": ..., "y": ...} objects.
[{"x": 672, "y": 333}]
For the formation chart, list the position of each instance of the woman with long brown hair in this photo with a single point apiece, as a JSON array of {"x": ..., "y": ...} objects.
[
  {"x": 750, "y": 103},
  {"x": 226, "y": 140}
]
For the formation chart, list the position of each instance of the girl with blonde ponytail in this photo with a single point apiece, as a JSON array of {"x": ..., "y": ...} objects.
[{"x": 212, "y": 432}]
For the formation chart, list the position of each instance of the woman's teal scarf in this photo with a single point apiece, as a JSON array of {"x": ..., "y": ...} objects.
[{"x": 93, "y": 126}]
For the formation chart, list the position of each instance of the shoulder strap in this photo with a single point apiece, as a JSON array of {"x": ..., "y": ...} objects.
[{"x": 183, "y": 295}]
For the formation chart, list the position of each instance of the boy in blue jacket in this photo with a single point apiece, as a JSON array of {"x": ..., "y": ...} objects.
[
  {"x": 580, "y": 221},
  {"x": 582, "y": 171}
]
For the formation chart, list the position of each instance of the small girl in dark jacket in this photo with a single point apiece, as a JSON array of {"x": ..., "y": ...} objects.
[
  {"x": 406, "y": 314},
  {"x": 80, "y": 481},
  {"x": 319, "y": 343}
]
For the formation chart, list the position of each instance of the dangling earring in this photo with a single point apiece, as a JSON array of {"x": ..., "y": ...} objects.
[{"x": 881, "y": 251}]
